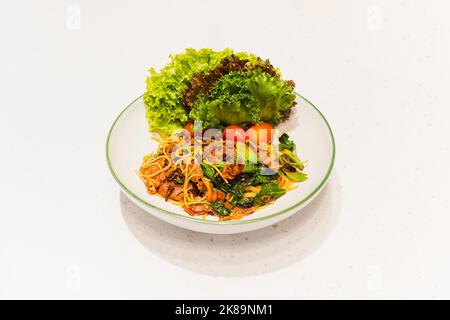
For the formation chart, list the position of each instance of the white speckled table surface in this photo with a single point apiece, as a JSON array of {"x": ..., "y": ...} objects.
[{"x": 379, "y": 70}]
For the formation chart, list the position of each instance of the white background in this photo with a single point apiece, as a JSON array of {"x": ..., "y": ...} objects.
[{"x": 379, "y": 71}]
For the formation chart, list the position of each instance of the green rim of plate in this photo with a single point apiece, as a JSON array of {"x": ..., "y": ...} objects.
[{"x": 233, "y": 222}]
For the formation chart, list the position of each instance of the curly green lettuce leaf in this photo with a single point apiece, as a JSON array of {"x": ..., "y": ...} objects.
[
  {"x": 163, "y": 99},
  {"x": 202, "y": 83},
  {"x": 242, "y": 98}
]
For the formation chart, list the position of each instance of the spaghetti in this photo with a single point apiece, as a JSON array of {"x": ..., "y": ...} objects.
[{"x": 214, "y": 186}]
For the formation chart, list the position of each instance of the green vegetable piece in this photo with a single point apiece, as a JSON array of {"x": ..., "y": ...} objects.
[
  {"x": 286, "y": 143},
  {"x": 208, "y": 171},
  {"x": 237, "y": 188},
  {"x": 220, "y": 208},
  {"x": 178, "y": 180},
  {"x": 272, "y": 190},
  {"x": 296, "y": 176},
  {"x": 292, "y": 159},
  {"x": 261, "y": 179},
  {"x": 252, "y": 168},
  {"x": 269, "y": 190}
]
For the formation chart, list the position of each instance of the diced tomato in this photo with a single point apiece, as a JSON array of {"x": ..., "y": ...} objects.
[
  {"x": 260, "y": 133},
  {"x": 190, "y": 128},
  {"x": 234, "y": 133}
]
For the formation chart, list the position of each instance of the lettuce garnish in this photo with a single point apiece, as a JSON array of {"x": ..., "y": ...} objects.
[
  {"x": 256, "y": 94},
  {"x": 243, "y": 98},
  {"x": 165, "y": 110}
]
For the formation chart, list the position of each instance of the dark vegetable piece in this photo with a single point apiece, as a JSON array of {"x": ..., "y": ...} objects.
[
  {"x": 289, "y": 168},
  {"x": 169, "y": 193},
  {"x": 177, "y": 176},
  {"x": 244, "y": 202},
  {"x": 196, "y": 191},
  {"x": 220, "y": 209},
  {"x": 253, "y": 179},
  {"x": 237, "y": 188},
  {"x": 243, "y": 177},
  {"x": 210, "y": 173}
]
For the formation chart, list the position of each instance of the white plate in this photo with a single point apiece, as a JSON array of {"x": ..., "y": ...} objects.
[{"x": 129, "y": 140}]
